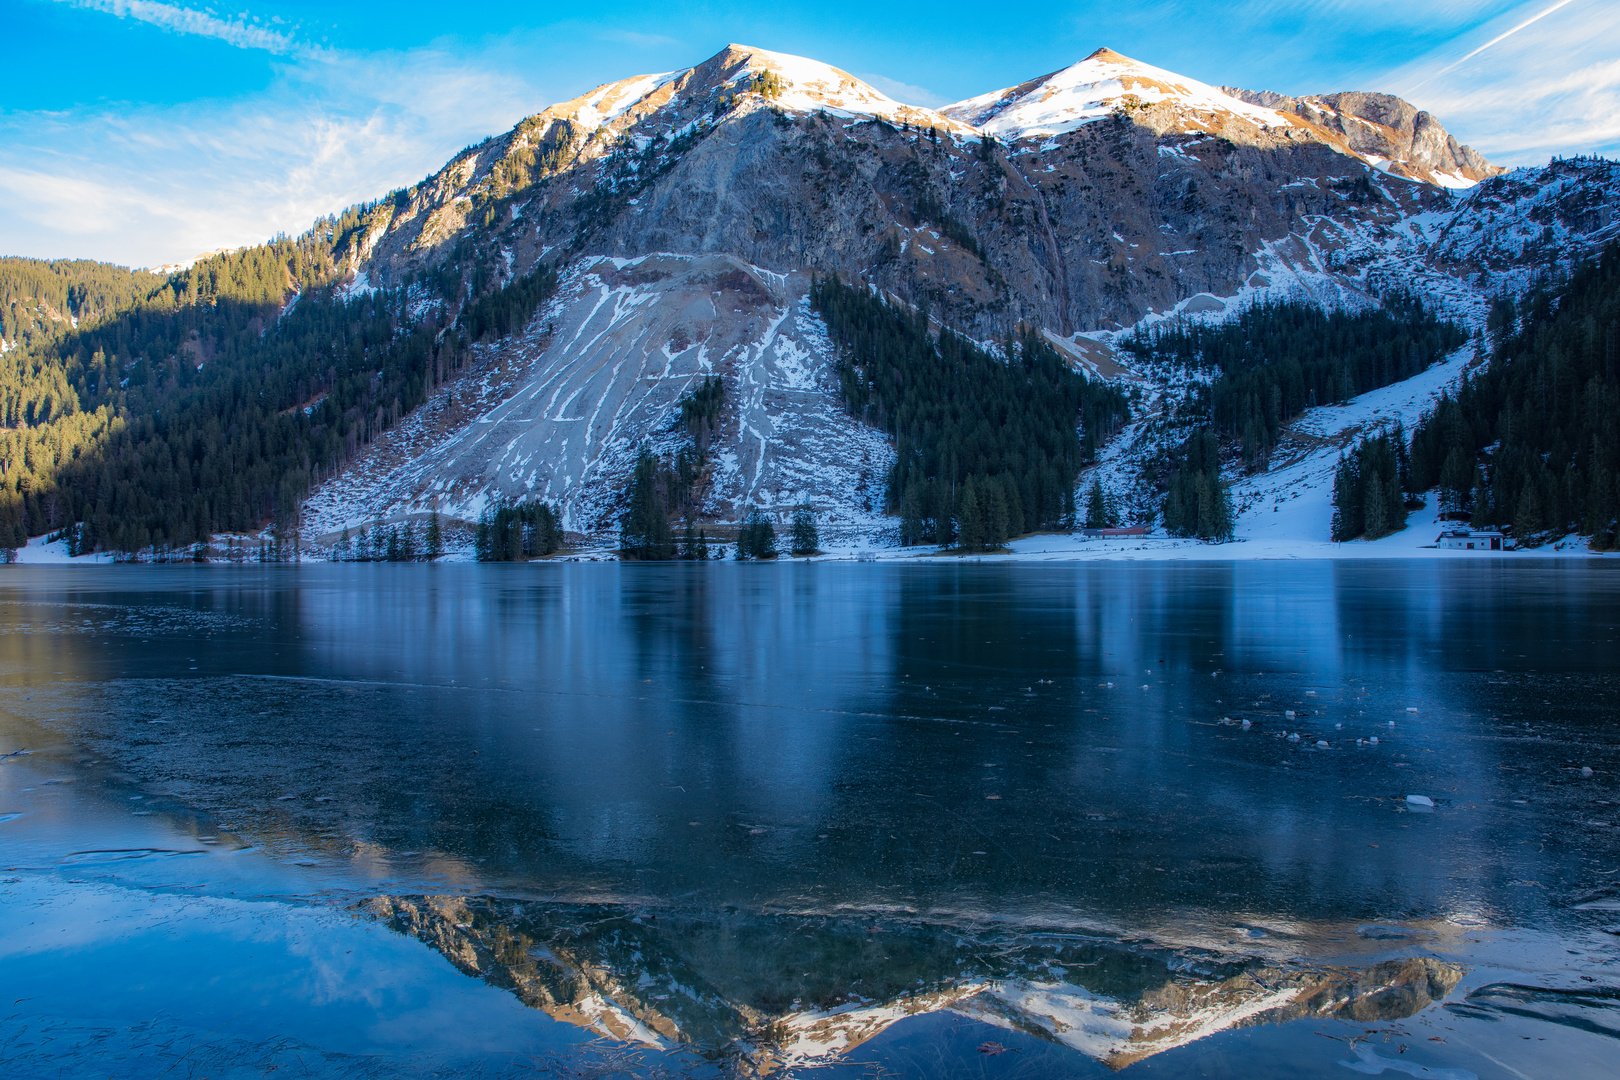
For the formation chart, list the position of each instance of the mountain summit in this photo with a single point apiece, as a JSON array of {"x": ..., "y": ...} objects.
[{"x": 1102, "y": 84}]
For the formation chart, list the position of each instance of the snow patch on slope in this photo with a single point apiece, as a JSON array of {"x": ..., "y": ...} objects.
[{"x": 1093, "y": 89}]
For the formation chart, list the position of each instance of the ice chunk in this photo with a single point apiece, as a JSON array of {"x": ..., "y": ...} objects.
[
  {"x": 1420, "y": 800},
  {"x": 1372, "y": 1063}
]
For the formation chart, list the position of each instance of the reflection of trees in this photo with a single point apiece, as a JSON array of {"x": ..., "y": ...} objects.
[{"x": 772, "y": 990}]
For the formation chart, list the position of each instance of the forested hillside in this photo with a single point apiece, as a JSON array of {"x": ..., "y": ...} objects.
[
  {"x": 1533, "y": 443},
  {"x": 987, "y": 444},
  {"x": 212, "y": 399},
  {"x": 1276, "y": 360}
]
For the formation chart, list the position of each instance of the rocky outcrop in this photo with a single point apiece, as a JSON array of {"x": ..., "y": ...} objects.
[{"x": 1385, "y": 127}]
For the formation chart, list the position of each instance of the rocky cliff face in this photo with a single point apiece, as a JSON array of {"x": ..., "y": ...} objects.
[{"x": 1391, "y": 133}]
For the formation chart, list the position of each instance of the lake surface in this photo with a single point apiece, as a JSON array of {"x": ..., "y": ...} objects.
[{"x": 858, "y": 819}]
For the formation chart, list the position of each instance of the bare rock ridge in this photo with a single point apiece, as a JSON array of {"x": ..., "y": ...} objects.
[{"x": 1385, "y": 126}]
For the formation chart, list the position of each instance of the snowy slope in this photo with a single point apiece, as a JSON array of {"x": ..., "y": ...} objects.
[
  {"x": 559, "y": 412},
  {"x": 1095, "y": 88}
]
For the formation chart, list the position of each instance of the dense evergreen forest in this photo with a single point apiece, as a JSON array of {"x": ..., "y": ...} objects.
[
  {"x": 212, "y": 399},
  {"x": 1372, "y": 487},
  {"x": 988, "y": 447},
  {"x": 508, "y": 533},
  {"x": 1533, "y": 442},
  {"x": 1277, "y": 360},
  {"x": 1198, "y": 502}
]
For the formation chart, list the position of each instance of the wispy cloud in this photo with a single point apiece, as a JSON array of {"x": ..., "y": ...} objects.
[
  {"x": 242, "y": 33},
  {"x": 904, "y": 93},
  {"x": 153, "y": 184},
  {"x": 1545, "y": 80},
  {"x": 1498, "y": 39}
]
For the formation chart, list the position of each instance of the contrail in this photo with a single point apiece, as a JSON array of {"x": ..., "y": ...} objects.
[{"x": 1498, "y": 38}]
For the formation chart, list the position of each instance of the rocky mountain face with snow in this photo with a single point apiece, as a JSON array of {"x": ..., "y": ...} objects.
[
  {"x": 671, "y": 982},
  {"x": 685, "y": 212}
]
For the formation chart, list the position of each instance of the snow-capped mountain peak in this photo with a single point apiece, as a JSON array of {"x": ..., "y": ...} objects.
[
  {"x": 1099, "y": 86},
  {"x": 800, "y": 85}
]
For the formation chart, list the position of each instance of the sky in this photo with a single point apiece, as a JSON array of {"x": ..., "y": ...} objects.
[{"x": 143, "y": 132}]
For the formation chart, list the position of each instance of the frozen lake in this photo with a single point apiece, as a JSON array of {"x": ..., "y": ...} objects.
[{"x": 852, "y": 819}]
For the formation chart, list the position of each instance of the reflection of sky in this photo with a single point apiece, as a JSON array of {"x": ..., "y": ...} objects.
[
  {"x": 928, "y": 736},
  {"x": 241, "y": 974}
]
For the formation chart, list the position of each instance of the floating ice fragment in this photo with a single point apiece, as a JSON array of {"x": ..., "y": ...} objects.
[
  {"x": 1294, "y": 737},
  {"x": 1586, "y": 770},
  {"x": 1373, "y": 740},
  {"x": 1245, "y": 725},
  {"x": 1310, "y": 693},
  {"x": 1321, "y": 744},
  {"x": 1410, "y": 708},
  {"x": 1420, "y": 800},
  {"x": 1373, "y": 1063},
  {"x": 1289, "y": 713},
  {"x": 1392, "y": 723}
]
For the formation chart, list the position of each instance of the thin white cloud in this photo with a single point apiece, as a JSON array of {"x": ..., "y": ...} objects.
[
  {"x": 183, "y": 20},
  {"x": 1537, "y": 86},
  {"x": 904, "y": 93},
  {"x": 150, "y": 185},
  {"x": 1498, "y": 39}
]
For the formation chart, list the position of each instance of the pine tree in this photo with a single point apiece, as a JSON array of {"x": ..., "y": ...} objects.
[
  {"x": 804, "y": 539},
  {"x": 994, "y": 501},
  {"x": 764, "y": 536},
  {"x": 970, "y": 519},
  {"x": 1528, "y": 522},
  {"x": 644, "y": 531},
  {"x": 911, "y": 515},
  {"x": 434, "y": 542},
  {"x": 1377, "y": 508},
  {"x": 1480, "y": 501},
  {"x": 1096, "y": 506}
]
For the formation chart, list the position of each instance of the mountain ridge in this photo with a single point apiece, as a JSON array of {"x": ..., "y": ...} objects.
[{"x": 684, "y": 214}]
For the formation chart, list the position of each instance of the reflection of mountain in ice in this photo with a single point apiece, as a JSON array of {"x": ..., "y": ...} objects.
[{"x": 775, "y": 991}]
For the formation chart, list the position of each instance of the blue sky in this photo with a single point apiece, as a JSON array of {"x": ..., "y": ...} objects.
[{"x": 144, "y": 131}]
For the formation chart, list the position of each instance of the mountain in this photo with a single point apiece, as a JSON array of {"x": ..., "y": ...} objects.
[
  {"x": 543, "y": 307},
  {"x": 1389, "y": 133},
  {"x": 675, "y": 980}
]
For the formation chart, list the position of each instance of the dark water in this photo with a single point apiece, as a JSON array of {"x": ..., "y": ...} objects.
[{"x": 882, "y": 820}]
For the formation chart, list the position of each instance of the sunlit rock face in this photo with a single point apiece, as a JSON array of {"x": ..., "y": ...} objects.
[{"x": 769, "y": 991}]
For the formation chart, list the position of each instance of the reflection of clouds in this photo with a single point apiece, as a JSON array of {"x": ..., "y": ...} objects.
[{"x": 253, "y": 970}]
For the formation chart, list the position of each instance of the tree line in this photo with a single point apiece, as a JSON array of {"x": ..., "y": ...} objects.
[
  {"x": 993, "y": 443},
  {"x": 214, "y": 401},
  {"x": 1275, "y": 360},
  {"x": 510, "y": 532},
  {"x": 1372, "y": 487},
  {"x": 1532, "y": 444}
]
